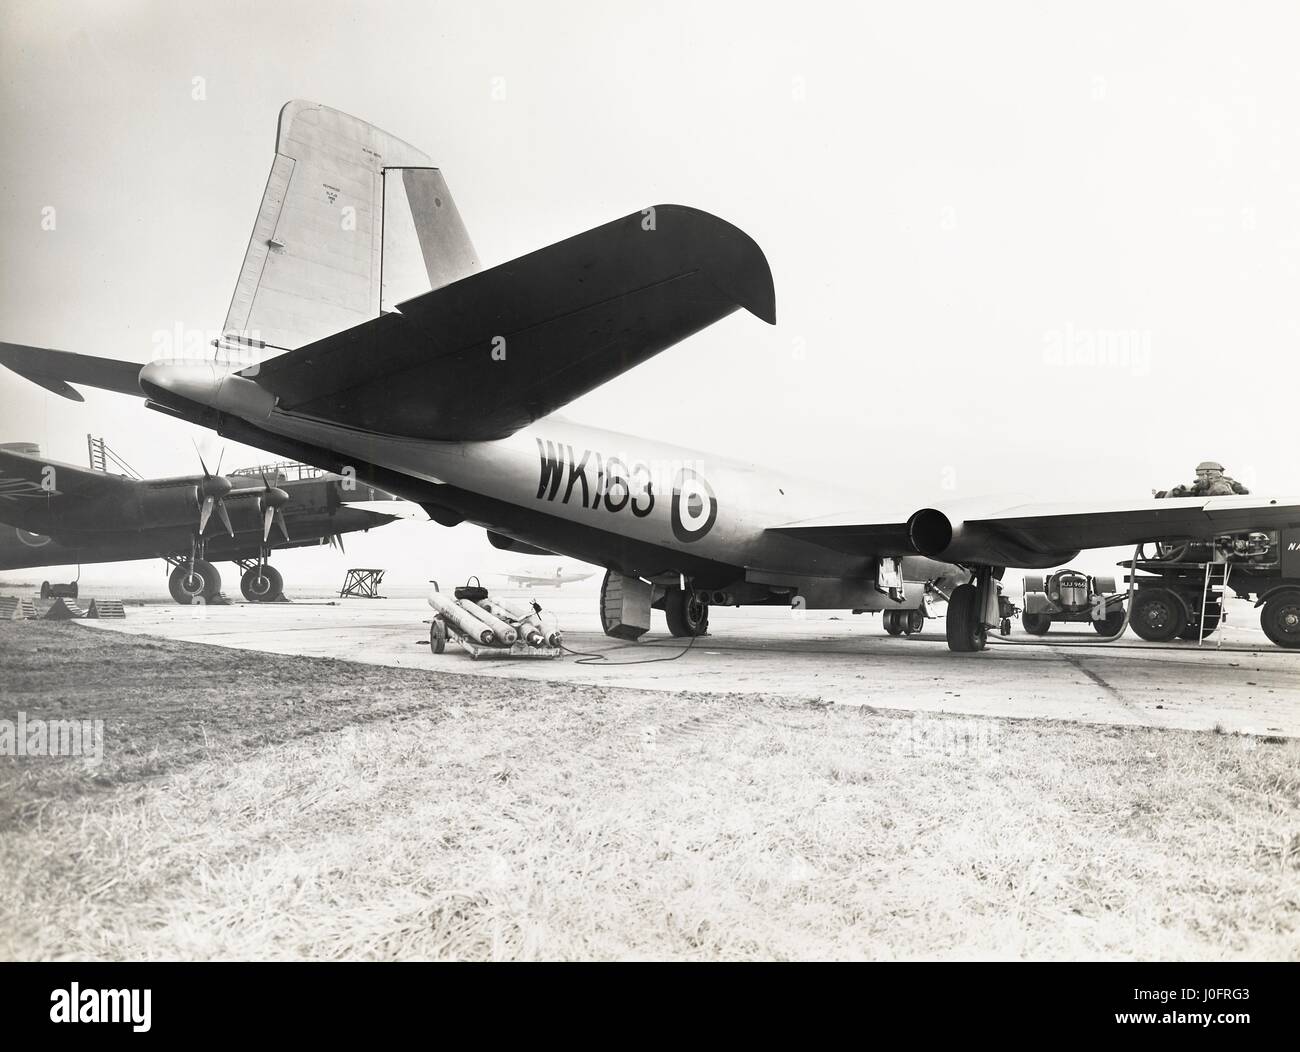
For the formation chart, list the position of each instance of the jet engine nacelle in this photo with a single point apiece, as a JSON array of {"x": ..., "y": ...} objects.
[{"x": 934, "y": 534}]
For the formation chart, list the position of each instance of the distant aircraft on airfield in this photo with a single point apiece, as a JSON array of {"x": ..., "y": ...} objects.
[
  {"x": 528, "y": 580},
  {"x": 55, "y": 514}
]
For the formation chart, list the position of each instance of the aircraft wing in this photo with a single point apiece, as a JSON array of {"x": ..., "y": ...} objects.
[
  {"x": 30, "y": 485},
  {"x": 1044, "y": 534},
  {"x": 489, "y": 354}
]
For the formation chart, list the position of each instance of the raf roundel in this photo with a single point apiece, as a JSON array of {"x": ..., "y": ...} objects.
[{"x": 695, "y": 508}]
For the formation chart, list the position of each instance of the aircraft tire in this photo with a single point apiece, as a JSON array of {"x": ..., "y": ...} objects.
[
  {"x": 1036, "y": 624},
  {"x": 264, "y": 587},
  {"x": 184, "y": 589},
  {"x": 687, "y": 615},
  {"x": 965, "y": 627},
  {"x": 211, "y": 578},
  {"x": 1157, "y": 615},
  {"x": 45, "y": 589},
  {"x": 916, "y": 621},
  {"x": 889, "y": 619},
  {"x": 1280, "y": 619}
]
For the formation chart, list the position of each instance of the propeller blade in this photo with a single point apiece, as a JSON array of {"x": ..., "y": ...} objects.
[
  {"x": 206, "y": 513},
  {"x": 279, "y": 521},
  {"x": 268, "y": 515},
  {"x": 339, "y": 537},
  {"x": 225, "y": 517}
]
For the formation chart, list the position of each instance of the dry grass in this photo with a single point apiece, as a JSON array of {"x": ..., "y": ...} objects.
[{"x": 263, "y": 807}]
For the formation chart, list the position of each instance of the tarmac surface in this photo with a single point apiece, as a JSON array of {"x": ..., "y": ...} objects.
[{"x": 1244, "y": 685}]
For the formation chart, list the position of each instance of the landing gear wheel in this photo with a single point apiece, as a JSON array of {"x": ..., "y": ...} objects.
[
  {"x": 201, "y": 583},
  {"x": 211, "y": 578},
  {"x": 1280, "y": 619},
  {"x": 687, "y": 614},
  {"x": 915, "y": 621},
  {"x": 437, "y": 636},
  {"x": 892, "y": 622},
  {"x": 1157, "y": 615},
  {"x": 1111, "y": 626},
  {"x": 966, "y": 631},
  {"x": 262, "y": 586},
  {"x": 1036, "y": 624},
  {"x": 45, "y": 590}
]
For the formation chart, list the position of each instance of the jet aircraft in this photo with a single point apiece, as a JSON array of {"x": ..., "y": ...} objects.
[{"x": 441, "y": 386}]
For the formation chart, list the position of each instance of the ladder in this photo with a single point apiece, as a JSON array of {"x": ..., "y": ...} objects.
[{"x": 1211, "y": 582}]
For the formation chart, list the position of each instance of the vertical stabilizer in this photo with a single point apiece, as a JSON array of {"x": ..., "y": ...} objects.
[{"x": 352, "y": 221}]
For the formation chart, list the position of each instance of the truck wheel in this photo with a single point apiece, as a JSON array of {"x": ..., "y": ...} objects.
[
  {"x": 1280, "y": 619},
  {"x": 1036, "y": 624},
  {"x": 1111, "y": 626},
  {"x": 1157, "y": 615},
  {"x": 1211, "y": 625},
  {"x": 437, "y": 636},
  {"x": 687, "y": 614},
  {"x": 965, "y": 625},
  {"x": 891, "y": 622}
]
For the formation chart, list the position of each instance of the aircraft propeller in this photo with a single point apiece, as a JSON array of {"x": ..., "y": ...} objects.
[
  {"x": 213, "y": 490},
  {"x": 270, "y": 502}
]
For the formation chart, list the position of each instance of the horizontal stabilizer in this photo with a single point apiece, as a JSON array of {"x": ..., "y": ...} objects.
[
  {"x": 55, "y": 370},
  {"x": 491, "y": 353}
]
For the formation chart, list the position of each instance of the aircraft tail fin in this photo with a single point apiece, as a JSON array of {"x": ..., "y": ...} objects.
[{"x": 352, "y": 221}]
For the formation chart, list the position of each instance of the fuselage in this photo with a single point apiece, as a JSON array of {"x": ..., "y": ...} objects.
[{"x": 635, "y": 505}]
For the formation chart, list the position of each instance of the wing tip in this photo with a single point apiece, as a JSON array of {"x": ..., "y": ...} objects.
[{"x": 738, "y": 265}]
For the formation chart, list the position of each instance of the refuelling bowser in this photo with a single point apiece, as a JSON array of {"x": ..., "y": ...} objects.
[{"x": 1071, "y": 595}]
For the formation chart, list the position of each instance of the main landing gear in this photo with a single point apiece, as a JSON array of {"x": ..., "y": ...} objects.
[
  {"x": 194, "y": 581},
  {"x": 261, "y": 582},
  {"x": 974, "y": 608}
]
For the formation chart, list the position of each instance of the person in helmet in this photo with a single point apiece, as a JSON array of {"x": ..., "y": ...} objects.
[{"x": 1210, "y": 482}]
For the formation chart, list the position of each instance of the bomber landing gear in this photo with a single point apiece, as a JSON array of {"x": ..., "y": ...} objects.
[
  {"x": 199, "y": 583},
  {"x": 262, "y": 584}
]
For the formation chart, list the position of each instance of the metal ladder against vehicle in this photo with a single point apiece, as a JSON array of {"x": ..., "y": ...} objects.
[{"x": 1222, "y": 584}]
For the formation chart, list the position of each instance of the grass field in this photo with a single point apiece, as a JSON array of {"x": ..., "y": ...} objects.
[{"x": 252, "y": 806}]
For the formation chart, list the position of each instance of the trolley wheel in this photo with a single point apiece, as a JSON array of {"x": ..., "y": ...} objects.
[
  {"x": 1036, "y": 624},
  {"x": 891, "y": 622},
  {"x": 1157, "y": 615},
  {"x": 1280, "y": 619},
  {"x": 965, "y": 626},
  {"x": 437, "y": 636},
  {"x": 1111, "y": 626}
]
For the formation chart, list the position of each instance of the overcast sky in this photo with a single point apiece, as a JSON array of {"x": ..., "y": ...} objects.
[{"x": 958, "y": 202}]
